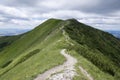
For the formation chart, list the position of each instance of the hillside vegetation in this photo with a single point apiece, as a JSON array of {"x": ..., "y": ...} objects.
[{"x": 24, "y": 56}]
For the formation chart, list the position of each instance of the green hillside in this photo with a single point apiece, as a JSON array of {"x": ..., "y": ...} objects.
[
  {"x": 23, "y": 57},
  {"x": 101, "y": 48}
]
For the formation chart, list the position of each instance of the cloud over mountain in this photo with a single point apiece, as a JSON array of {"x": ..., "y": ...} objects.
[{"x": 20, "y": 13}]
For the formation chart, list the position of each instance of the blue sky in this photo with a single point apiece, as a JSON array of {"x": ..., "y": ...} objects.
[{"x": 24, "y": 14}]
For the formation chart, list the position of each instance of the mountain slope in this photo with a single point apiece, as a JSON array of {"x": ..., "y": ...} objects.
[
  {"x": 36, "y": 43},
  {"x": 101, "y": 48},
  {"x": 36, "y": 51},
  {"x": 7, "y": 40},
  {"x": 29, "y": 39}
]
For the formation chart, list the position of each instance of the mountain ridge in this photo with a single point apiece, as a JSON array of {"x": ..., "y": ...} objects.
[{"x": 100, "y": 48}]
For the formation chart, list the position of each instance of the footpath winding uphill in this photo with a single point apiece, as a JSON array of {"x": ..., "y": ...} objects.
[{"x": 66, "y": 71}]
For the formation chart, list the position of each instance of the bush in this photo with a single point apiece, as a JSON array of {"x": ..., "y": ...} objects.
[
  {"x": 28, "y": 55},
  {"x": 6, "y": 64}
]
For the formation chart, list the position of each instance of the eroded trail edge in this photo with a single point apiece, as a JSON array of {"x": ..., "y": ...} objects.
[{"x": 86, "y": 73}]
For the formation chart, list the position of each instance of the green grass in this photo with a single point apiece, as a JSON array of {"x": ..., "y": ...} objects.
[
  {"x": 23, "y": 57},
  {"x": 80, "y": 75},
  {"x": 42, "y": 55},
  {"x": 93, "y": 70},
  {"x": 28, "y": 40},
  {"x": 7, "y": 40},
  {"x": 99, "y": 47},
  {"x": 38, "y": 63}
]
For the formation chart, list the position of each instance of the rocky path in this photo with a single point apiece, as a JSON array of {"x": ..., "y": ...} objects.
[
  {"x": 61, "y": 72},
  {"x": 66, "y": 71}
]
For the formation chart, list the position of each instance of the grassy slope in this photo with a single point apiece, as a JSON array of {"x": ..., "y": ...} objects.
[
  {"x": 99, "y": 47},
  {"x": 33, "y": 53},
  {"x": 27, "y": 41},
  {"x": 30, "y": 38},
  {"x": 93, "y": 70},
  {"x": 7, "y": 40},
  {"x": 38, "y": 50}
]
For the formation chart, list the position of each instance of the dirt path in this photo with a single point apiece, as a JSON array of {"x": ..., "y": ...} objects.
[{"x": 67, "y": 69}]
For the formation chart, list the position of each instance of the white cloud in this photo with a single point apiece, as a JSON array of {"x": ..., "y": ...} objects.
[
  {"x": 65, "y": 14},
  {"x": 103, "y": 23},
  {"x": 2, "y": 18},
  {"x": 12, "y": 11},
  {"x": 28, "y": 13},
  {"x": 23, "y": 24},
  {"x": 68, "y": 4},
  {"x": 116, "y": 13},
  {"x": 1, "y": 23},
  {"x": 106, "y": 27}
]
